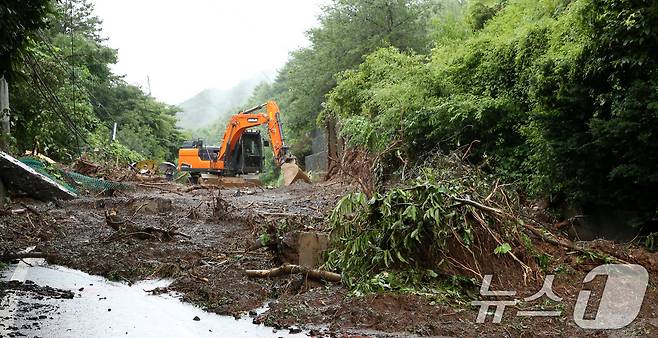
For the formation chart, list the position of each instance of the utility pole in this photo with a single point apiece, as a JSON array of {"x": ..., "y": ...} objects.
[
  {"x": 148, "y": 82},
  {"x": 4, "y": 106},
  {"x": 114, "y": 132}
]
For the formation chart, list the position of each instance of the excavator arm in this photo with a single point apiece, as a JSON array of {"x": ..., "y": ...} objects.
[
  {"x": 249, "y": 119},
  {"x": 275, "y": 129}
]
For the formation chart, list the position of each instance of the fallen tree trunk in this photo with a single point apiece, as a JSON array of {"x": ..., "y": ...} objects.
[
  {"x": 6, "y": 257},
  {"x": 288, "y": 269}
]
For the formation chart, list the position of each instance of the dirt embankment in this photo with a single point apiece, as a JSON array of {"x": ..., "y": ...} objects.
[{"x": 206, "y": 255}]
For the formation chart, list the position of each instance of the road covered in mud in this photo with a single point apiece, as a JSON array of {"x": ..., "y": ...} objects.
[
  {"x": 201, "y": 241},
  {"x": 204, "y": 258}
]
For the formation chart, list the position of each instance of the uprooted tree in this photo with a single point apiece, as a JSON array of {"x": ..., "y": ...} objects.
[{"x": 438, "y": 232}]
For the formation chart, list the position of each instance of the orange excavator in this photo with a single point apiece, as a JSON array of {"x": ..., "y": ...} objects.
[{"x": 241, "y": 151}]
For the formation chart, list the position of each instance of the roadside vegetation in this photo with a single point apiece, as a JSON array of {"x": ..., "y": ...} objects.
[
  {"x": 65, "y": 98},
  {"x": 422, "y": 236},
  {"x": 556, "y": 99},
  {"x": 558, "y": 96}
]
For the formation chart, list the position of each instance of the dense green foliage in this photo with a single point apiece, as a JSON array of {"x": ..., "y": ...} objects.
[
  {"x": 19, "y": 20},
  {"x": 64, "y": 97},
  {"x": 405, "y": 230},
  {"x": 348, "y": 30},
  {"x": 559, "y": 95}
]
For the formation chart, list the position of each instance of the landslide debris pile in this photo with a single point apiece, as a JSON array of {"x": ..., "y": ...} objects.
[{"x": 445, "y": 229}]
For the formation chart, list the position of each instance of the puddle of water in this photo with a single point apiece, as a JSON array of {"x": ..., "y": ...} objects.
[{"x": 102, "y": 308}]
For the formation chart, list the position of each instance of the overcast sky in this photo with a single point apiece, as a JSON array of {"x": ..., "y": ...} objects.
[{"x": 187, "y": 46}]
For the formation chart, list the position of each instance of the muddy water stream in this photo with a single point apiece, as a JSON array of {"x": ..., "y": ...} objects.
[{"x": 101, "y": 308}]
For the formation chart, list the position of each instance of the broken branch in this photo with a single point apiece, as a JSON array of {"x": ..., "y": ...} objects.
[
  {"x": 200, "y": 186},
  {"x": 287, "y": 269},
  {"x": 478, "y": 205},
  {"x": 546, "y": 237}
]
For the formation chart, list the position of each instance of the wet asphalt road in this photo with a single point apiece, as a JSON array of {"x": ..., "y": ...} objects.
[{"x": 101, "y": 308}]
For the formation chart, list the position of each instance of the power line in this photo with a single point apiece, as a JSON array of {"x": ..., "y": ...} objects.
[
  {"x": 63, "y": 67},
  {"x": 72, "y": 58},
  {"x": 51, "y": 99}
]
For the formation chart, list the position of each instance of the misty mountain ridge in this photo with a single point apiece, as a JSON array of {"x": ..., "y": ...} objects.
[{"x": 209, "y": 105}]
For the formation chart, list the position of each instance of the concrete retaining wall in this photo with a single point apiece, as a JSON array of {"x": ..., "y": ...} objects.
[{"x": 318, "y": 161}]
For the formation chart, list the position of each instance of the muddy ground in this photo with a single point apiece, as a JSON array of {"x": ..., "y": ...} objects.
[{"x": 208, "y": 266}]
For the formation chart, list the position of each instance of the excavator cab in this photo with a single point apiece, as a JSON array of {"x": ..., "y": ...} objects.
[
  {"x": 246, "y": 158},
  {"x": 248, "y": 155}
]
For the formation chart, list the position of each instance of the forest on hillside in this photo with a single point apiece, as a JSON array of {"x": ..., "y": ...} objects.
[
  {"x": 213, "y": 105},
  {"x": 559, "y": 97}
]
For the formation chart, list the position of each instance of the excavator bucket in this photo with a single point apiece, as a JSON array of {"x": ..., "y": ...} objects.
[{"x": 292, "y": 173}]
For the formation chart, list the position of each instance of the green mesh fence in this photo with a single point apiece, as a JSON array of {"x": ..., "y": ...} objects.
[
  {"x": 95, "y": 184},
  {"x": 40, "y": 167},
  {"x": 69, "y": 179}
]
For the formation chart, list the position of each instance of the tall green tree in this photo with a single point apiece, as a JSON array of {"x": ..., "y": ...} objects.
[
  {"x": 597, "y": 114},
  {"x": 19, "y": 20},
  {"x": 66, "y": 98},
  {"x": 348, "y": 30}
]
